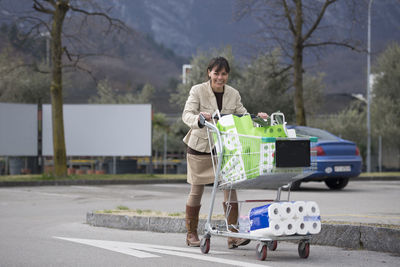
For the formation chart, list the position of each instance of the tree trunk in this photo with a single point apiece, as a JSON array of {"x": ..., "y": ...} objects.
[
  {"x": 60, "y": 156},
  {"x": 298, "y": 66}
]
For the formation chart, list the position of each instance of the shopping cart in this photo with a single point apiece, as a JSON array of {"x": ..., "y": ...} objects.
[{"x": 279, "y": 163}]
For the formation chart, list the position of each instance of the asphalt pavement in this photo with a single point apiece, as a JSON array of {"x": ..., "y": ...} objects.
[
  {"x": 46, "y": 226},
  {"x": 379, "y": 230}
]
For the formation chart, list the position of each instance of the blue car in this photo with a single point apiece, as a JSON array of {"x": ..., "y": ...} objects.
[{"x": 338, "y": 160}]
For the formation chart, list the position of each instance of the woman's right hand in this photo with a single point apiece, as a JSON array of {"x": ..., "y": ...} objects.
[{"x": 206, "y": 115}]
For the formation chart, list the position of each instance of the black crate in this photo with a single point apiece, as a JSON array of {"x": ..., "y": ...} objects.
[{"x": 292, "y": 153}]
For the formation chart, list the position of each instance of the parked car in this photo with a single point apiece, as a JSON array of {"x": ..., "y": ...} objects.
[{"x": 338, "y": 160}]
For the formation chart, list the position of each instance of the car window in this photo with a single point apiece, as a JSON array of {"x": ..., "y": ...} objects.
[{"x": 321, "y": 134}]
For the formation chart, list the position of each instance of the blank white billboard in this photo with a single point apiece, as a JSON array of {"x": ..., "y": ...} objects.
[
  {"x": 102, "y": 130},
  {"x": 18, "y": 129}
]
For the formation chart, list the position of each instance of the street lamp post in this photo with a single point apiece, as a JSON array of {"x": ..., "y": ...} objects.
[
  {"x": 47, "y": 36},
  {"x": 369, "y": 89}
]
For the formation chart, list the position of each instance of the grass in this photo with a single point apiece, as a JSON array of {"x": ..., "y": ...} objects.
[
  {"x": 46, "y": 177},
  {"x": 380, "y": 174},
  {"x": 152, "y": 213},
  {"x": 122, "y": 210}
]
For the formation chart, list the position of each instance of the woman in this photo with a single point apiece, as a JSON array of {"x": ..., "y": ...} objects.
[{"x": 204, "y": 99}]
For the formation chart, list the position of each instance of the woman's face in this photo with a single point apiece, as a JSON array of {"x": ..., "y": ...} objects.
[{"x": 218, "y": 78}]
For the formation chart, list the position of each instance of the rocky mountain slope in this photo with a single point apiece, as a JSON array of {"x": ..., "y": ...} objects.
[
  {"x": 190, "y": 25},
  {"x": 171, "y": 31}
]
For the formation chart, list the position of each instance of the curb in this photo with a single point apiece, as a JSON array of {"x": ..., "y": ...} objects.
[
  {"x": 144, "y": 181},
  {"x": 90, "y": 182},
  {"x": 375, "y": 178},
  {"x": 340, "y": 235}
]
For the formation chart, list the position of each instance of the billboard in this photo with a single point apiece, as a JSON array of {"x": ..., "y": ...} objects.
[
  {"x": 102, "y": 130},
  {"x": 18, "y": 129}
]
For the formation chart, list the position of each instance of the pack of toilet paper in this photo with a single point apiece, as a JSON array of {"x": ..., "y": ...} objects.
[{"x": 285, "y": 218}]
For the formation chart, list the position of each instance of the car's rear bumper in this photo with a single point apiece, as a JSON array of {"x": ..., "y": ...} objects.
[{"x": 336, "y": 168}]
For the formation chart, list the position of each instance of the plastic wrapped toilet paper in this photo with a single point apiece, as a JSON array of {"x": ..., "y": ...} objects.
[
  {"x": 285, "y": 218},
  {"x": 312, "y": 208},
  {"x": 299, "y": 209},
  {"x": 313, "y": 227},
  {"x": 267, "y": 150},
  {"x": 287, "y": 210},
  {"x": 275, "y": 229},
  {"x": 289, "y": 227},
  {"x": 301, "y": 228},
  {"x": 275, "y": 211},
  {"x": 266, "y": 220}
]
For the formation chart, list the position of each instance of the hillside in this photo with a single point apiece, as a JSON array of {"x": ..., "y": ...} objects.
[
  {"x": 205, "y": 24},
  {"x": 168, "y": 33},
  {"x": 128, "y": 60}
]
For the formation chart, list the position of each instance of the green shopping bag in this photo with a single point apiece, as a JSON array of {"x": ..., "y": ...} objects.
[
  {"x": 246, "y": 157},
  {"x": 244, "y": 125}
]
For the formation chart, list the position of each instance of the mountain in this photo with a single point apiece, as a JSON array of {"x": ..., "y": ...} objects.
[
  {"x": 170, "y": 32},
  {"x": 190, "y": 25},
  {"x": 187, "y": 26},
  {"x": 128, "y": 60}
]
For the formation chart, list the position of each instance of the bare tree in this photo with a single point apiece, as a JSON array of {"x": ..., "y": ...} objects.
[
  {"x": 294, "y": 26},
  {"x": 56, "y": 11}
]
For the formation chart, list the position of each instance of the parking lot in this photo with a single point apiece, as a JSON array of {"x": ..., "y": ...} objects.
[{"x": 34, "y": 218}]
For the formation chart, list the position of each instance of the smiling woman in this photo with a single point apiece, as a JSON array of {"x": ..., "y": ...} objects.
[
  {"x": 218, "y": 74},
  {"x": 205, "y": 99}
]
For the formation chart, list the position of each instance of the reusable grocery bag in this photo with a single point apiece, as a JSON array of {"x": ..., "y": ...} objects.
[{"x": 248, "y": 151}]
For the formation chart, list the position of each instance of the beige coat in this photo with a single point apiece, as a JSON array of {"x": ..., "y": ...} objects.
[{"x": 202, "y": 99}]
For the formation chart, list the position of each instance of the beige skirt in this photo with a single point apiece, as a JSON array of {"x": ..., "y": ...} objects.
[{"x": 199, "y": 169}]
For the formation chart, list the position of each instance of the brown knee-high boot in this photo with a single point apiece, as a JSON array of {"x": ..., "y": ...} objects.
[
  {"x": 232, "y": 220},
  {"x": 192, "y": 220}
]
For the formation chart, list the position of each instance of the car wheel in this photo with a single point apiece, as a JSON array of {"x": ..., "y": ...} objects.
[
  {"x": 295, "y": 185},
  {"x": 337, "y": 183}
]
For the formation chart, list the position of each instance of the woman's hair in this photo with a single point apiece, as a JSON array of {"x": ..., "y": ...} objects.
[{"x": 220, "y": 63}]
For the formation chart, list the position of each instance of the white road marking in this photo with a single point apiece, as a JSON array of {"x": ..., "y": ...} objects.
[
  {"x": 138, "y": 250},
  {"x": 112, "y": 245},
  {"x": 30, "y": 191},
  {"x": 86, "y": 187}
]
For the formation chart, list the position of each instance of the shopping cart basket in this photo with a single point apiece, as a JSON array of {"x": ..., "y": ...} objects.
[{"x": 247, "y": 162}]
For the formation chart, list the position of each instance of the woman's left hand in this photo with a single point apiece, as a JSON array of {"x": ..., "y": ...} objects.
[{"x": 262, "y": 115}]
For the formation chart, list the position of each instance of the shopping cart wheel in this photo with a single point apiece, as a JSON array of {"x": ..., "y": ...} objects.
[
  {"x": 205, "y": 245},
  {"x": 272, "y": 245},
  {"x": 304, "y": 249},
  {"x": 261, "y": 251}
]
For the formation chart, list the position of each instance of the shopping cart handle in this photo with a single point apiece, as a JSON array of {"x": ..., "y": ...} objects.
[
  {"x": 238, "y": 115},
  {"x": 202, "y": 121}
]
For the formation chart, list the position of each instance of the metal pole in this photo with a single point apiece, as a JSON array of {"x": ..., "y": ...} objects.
[
  {"x": 48, "y": 49},
  {"x": 150, "y": 169},
  {"x": 7, "y": 168},
  {"x": 114, "y": 165},
  {"x": 380, "y": 153},
  {"x": 165, "y": 153},
  {"x": 369, "y": 89},
  {"x": 40, "y": 136}
]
